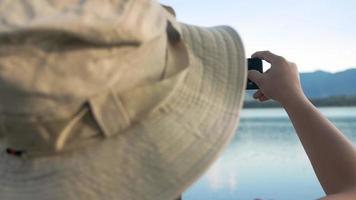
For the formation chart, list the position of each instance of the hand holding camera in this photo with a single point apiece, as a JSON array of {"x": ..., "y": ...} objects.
[{"x": 281, "y": 82}]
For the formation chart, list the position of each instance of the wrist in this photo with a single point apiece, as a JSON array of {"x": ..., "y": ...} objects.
[{"x": 294, "y": 101}]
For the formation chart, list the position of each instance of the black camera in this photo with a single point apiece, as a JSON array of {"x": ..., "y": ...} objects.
[{"x": 254, "y": 64}]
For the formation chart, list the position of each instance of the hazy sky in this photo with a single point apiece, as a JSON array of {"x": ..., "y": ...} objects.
[{"x": 316, "y": 34}]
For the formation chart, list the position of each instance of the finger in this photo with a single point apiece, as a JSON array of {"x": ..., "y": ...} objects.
[
  {"x": 258, "y": 94},
  {"x": 256, "y": 77},
  {"x": 265, "y": 55},
  {"x": 263, "y": 98}
]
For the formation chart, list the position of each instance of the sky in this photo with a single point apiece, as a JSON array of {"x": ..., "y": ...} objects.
[{"x": 315, "y": 34}]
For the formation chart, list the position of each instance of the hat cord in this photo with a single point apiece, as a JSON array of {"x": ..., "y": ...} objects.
[{"x": 14, "y": 152}]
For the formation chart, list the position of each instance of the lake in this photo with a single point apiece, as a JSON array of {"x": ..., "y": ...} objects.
[{"x": 266, "y": 161}]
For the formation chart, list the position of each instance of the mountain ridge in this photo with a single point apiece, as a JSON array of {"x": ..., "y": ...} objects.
[{"x": 322, "y": 84}]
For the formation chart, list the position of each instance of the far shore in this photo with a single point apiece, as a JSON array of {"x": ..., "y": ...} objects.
[{"x": 339, "y": 101}]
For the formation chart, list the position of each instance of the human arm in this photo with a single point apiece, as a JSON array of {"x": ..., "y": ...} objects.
[{"x": 332, "y": 155}]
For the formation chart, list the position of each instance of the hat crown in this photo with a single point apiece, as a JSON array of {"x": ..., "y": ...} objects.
[
  {"x": 104, "y": 21},
  {"x": 59, "y": 69},
  {"x": 59, "y": 53}
]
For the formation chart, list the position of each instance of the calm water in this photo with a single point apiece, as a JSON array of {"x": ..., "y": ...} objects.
[{"x": 266, "y": 161}]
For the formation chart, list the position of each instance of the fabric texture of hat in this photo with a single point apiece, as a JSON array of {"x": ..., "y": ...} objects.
[{"x": 112, "y": 99}]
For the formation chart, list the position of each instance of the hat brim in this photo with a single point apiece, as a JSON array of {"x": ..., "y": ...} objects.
[{"x": 159, "y": 157}]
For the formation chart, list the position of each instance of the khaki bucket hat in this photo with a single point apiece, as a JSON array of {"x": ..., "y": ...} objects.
[{"x": 112, "y": 99}]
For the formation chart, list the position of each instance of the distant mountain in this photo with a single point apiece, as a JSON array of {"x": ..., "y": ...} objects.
[{"x": 322, "y": 84}]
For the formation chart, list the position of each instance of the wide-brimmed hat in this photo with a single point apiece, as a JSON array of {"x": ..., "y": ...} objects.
[{"x": 112, "y": 99}]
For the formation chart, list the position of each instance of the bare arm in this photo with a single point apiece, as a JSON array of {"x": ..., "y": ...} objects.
[{"x": 332, "y": 155}]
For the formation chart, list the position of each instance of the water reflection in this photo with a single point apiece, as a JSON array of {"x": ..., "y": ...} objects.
[{"x": 266, "y": 160}]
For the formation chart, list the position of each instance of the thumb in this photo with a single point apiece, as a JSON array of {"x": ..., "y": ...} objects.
[{"x": 256, "y": 77}]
